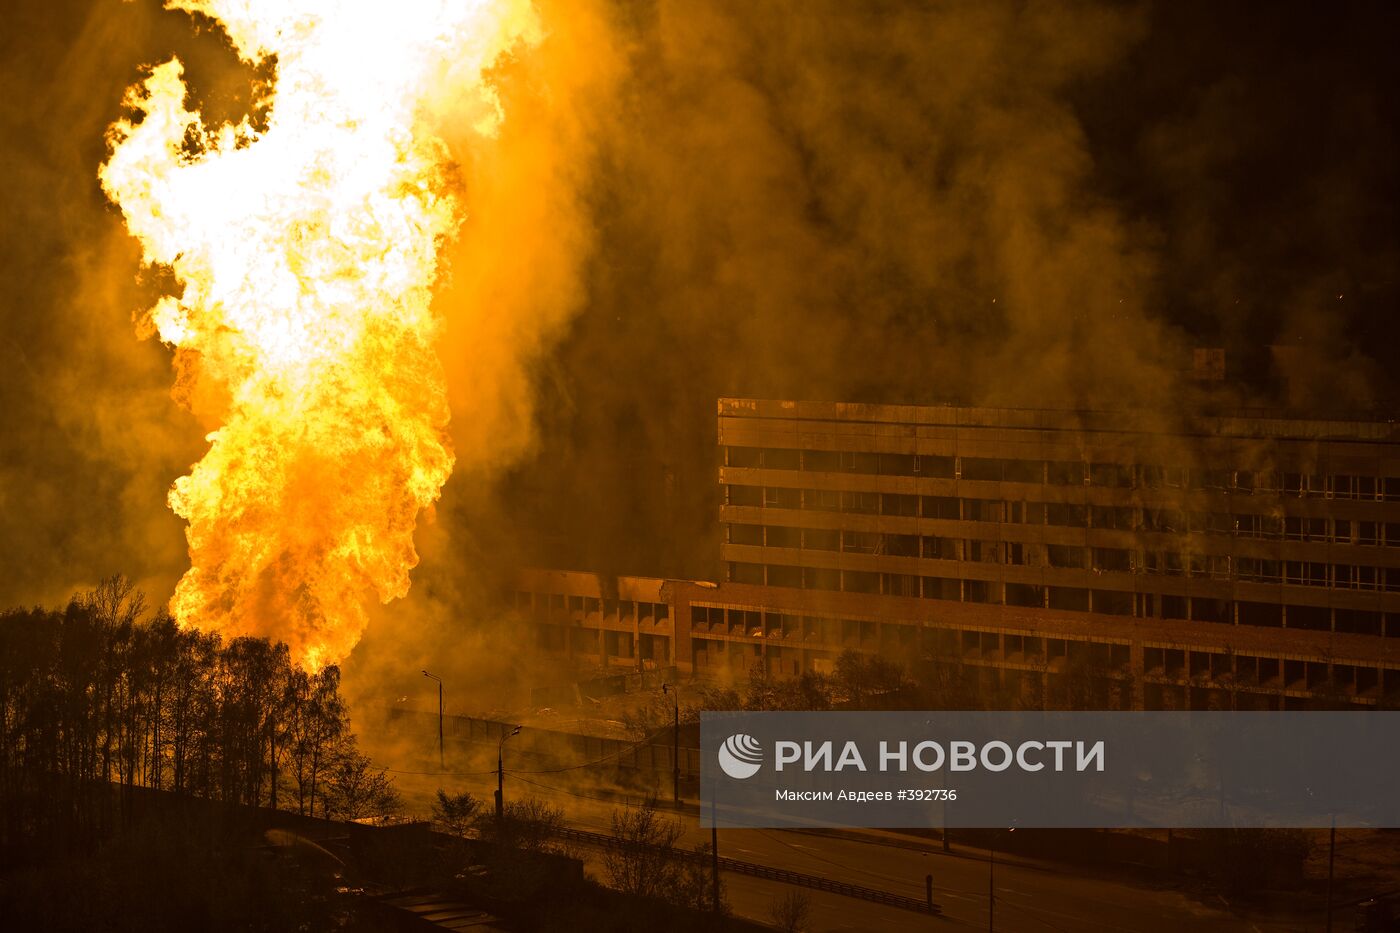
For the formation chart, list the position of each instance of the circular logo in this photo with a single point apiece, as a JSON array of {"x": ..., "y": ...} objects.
[{"x": 740, "y": 756}]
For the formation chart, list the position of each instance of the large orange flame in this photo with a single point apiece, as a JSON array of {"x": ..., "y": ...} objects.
[{"x": 307, "y": 251}]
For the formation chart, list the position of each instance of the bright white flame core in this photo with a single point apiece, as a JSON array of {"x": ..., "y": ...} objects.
[{"x": 307, "y": 253}]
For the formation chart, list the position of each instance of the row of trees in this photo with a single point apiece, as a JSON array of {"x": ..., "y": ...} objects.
[{"x": 103, "y": 692}]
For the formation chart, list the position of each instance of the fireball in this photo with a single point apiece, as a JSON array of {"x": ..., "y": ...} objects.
[{"x": 305, "y": 246}]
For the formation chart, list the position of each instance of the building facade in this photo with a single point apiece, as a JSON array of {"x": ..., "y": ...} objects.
[{"x": 1220, "y": 562}]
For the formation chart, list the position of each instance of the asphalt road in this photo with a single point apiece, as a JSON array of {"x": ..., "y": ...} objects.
[{"x": 1030, "y": 896}]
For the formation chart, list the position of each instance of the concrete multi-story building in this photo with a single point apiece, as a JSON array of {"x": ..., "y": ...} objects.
[{"x": 1210, "y": 562}]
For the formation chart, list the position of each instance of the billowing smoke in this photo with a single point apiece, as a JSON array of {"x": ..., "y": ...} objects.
[
  {"x": 1003, "y": 204},
  {"x": 1044, "y": 204}
]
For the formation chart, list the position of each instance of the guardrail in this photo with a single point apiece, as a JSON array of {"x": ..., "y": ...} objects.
[{"x": 816, "y": 882}]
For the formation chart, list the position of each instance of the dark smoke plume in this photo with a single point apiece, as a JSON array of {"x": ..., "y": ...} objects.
[{"x": 1010, "y": 203}]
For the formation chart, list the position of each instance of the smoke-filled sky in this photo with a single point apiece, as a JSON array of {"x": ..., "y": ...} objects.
[{"x": 1004, "y": 203}]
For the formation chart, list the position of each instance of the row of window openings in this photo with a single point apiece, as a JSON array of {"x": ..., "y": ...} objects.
[
  {"x": 865, "y": 633},
  {"x": 553, "y": 638},
  {"x": 1073, "y": 599},
  {"x": 1247, "y": 670},
  {"x": 759, "y": 624},
  {"x": 545, "y": 603},
  {"x": 1072, "y": 557},
  {"x": 1241, "y": 670},
  {"x": 1067, "y": 472},
  {"x": 1238, "y": 671},
  {"x": 869, "y": 634},
  {"x": 1171, "y": 663},
  {"x": 1069, "y": 515}
]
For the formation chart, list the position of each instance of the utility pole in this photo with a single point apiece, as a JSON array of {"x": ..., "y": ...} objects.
[
  {"x": 442, "y": 758},
  {"x": 991, "y": 880},
  {"x": 714, "y": 865},
  {"x": 675, "y": 743},
  {"x": 991, "y": 885},
  {"x": 714, "y": 850},
  {"x": 1331, "y": 855},
  {"x": 501, "y": 775}
]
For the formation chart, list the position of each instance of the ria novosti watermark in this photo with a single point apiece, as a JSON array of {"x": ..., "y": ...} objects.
[
  {"x": 1050, "y": 769},
  {"x": 929, "y": 756},
  {"x": 740, "y": 756}
]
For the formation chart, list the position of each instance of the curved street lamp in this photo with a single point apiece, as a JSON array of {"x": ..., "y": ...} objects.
[
  {"x": 501, "y": 775},
  {"x": 442, "y": 760},
  {"x": 991, "y": 876},
  {"x": 675, "y": 742}
]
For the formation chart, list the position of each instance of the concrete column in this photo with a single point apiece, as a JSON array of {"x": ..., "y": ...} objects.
[
  {"x": 1137, "y": 670},
  {"x": 678, "y": 604}
]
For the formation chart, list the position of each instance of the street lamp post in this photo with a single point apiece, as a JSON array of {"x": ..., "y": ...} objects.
[
  {"x": 675, "y": 743},
  {"x": 442, "y": 759},
  {"x": 501, "y": 775},
  {"x": 1331, "y": 861},
  {"x": 991, "y": 885},
  {"x": 714, "y": 852},
  {"x": 991, "y": 880}
]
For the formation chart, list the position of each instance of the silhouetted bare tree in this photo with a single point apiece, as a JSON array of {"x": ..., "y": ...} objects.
[{"x": 103, "y": 693}]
